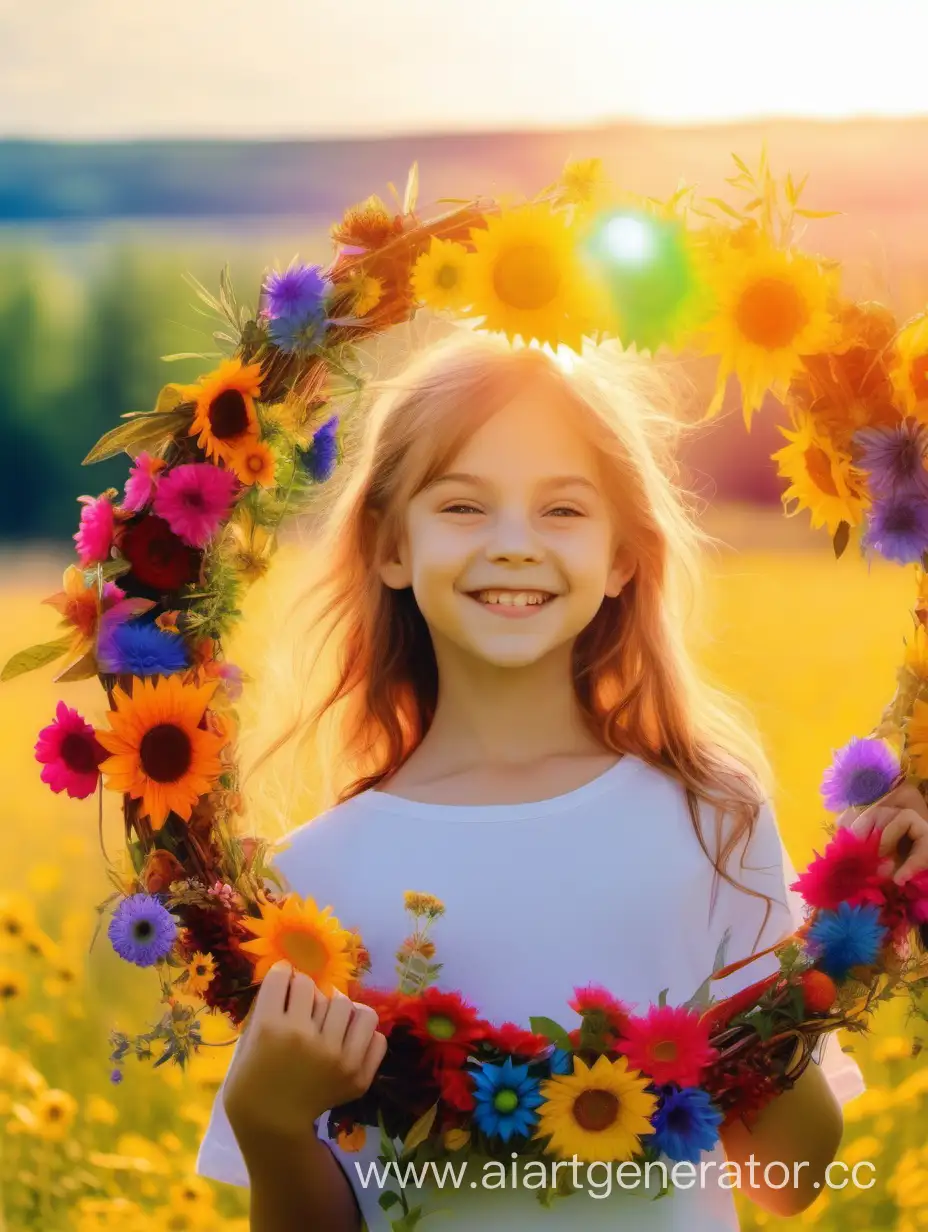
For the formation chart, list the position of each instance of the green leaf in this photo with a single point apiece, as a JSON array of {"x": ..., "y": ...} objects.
[
  {"x": 554, "y": 1032},
  {"x": 388, "y": 1199},
  {"x": 742, "y": 166},
  {"x": 145, "y": 432},
  {"x": 409, "y": 1222},
  {"x": 172, "y": 359},
  {"x": 662, "y": 997},
  {"x": 111, "y": 569},
  {"x": 724, "y": 207},
  {"x": 719, "y": 961},
  {"x": 819, "y": 213},
  {"x": 421, "y": 1130},
  {"x": 36, "y": 656},
  {"x": 840, "y": 541},
  {"x": 85, "y": 668}
]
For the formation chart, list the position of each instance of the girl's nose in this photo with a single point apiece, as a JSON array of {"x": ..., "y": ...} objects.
[{"x": 513, "y": 538}]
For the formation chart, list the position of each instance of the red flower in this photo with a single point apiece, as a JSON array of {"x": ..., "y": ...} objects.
[
  {"x": 904, "y": 906},
  {"x": 158, "y": 558},
  {"x": 594, "y": 998},
  {"x": 387, "y": 1005},
  {"x": 457, "y": 1088},
  {"x": 444, "y": 1021},
  {"x": 847, "y": 872},
  {"x": 516, "y": 1042},
  {"x": 669, "y": 1045}
]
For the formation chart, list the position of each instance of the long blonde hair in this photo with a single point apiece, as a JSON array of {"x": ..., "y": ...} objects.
[{"x": 635, "y": 682}]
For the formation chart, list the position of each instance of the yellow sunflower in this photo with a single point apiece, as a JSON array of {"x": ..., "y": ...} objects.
[
  {"x": 440, "y": 276},
  {"x": 310, "y": 940},
  {"x": 916, "y": 653},
  {"x": 771, "y": 308},
  {"x": 200, "y": 971},
  {"x": 49, "y": 1116},
  {"x": 17, "y": 920},
  {"x": 583, "y": 182},
  {"x": 367, "y": 292},
  {"x": 822, "y": 479},
  {"x": 909, "y": 374},
  {"x": 12, "y": 986},
  {"x": 253, "y": 463},
  {"x": 917, "y": 738},
  {"x": 160, "y": 754},
  {"x": 527, "y": 279},
  {"x": 596, "y": 1113},
  {"x": 225, "y": 415}
]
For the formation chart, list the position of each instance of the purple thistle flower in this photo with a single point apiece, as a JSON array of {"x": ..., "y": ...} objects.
[
  {"x": 895, "y": 458},
  {"x": 861, "y": 772},
  {"x": 897, "y": 528},
  {"x": 298, "y": 292},
  {"x": 322, "y": 454},
  {"x": 142, "y": 930}
]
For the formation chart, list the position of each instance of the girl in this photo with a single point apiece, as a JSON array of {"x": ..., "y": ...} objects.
[{"x": 507, "y": 570}]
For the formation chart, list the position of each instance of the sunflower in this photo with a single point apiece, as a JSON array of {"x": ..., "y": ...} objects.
[
  {"x": 160, "y": 754},
  {"x": 440, "y": 276},
  {"x": 225, "y": 413},
  {"x": 527, "y": 280},
  {"x": 917, "y": 738},
  {"x": 822, "y": 479},
  {"x": 596, "y": 1113},
  {"x": 50, "y": 1115},
  {"x": 12, "y": 985},
  {"x": 200, "y": 971},
  {"x": 916, "y": 653},
  {"x": 910, "y": 372},
  {"x": 253, "y": 463},
  {"x": 583, "y": 182},
  {"x": 771, "y": 308},
  {"x": 297, "y": 932}
]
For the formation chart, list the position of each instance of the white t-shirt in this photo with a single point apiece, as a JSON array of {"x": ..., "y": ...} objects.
[{"x": 606, "y": 884}]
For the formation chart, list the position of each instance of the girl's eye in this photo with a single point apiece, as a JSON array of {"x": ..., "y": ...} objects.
[
  {"x": 574, "y": 513},
  {"x": 459, "y": 506}
]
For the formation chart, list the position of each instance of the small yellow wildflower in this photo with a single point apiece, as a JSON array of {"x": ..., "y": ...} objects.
[
  {"x": 101, "y": 1111},
  {"x": 423, "y": 904}
]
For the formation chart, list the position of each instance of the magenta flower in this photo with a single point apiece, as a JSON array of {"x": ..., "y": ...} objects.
[
  {"x": 195, "y": 500},
  {"x": 94, "y": 537},
  {"x": 71, "y": 754},
  {"x": 142, "y": 482}
]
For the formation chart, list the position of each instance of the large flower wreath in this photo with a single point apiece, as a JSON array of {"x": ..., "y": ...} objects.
[{"x": 219, "y": 464}]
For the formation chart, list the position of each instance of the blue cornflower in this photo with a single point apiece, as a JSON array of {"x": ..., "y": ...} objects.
[
  {"x": 561, "y": 1061},
  {"x": 142, "y": 930},
  {"x": 322, "y": 454},
  {"x": 686, "y": 1123},
  {"x": 850, "y": 936},
  {"x": 299, "y": 292},
  {"x": 860, "y": 772},
  {"x": 136, "y": 649},
  {"x": 897, "y": 528},
  {"x": 505, "y": 1100},
  {"x": 297, "y": 333}
]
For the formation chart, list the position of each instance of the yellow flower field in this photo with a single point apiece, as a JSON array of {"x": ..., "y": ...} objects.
[{"x": 809, "y": 643}]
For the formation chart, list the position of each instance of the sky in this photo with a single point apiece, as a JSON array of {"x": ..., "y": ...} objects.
[{"x": 108, "y": 69}]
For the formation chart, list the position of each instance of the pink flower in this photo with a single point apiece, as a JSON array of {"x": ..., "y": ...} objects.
[
  {"x": 94, "y": 537},
  {"x": 71, "y": 754},
  {"x": 142, "y": 482},
  {"x": 233, "y": 678},
  {"x": 223, "y": 891},
  {"x": 194, "y": 500},
  {"x": 669, "y": 1044}
]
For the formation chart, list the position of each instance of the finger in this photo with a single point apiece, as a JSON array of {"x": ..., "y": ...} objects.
[
  {"x": 871, "y": 818},
  {"x": 376, "y": 1051},
  {"x": 336, "y": 1020},
  {"x": 917, "y": 862},
  {"x": 302, "y": 996},
  {"x": 907, "y": 795},
  {"x": 905, "y": 822},
  {"x": 362, "y": 1026},
  {"x": 272, "y": 994},
  {"x": 320, "y": 1009}
]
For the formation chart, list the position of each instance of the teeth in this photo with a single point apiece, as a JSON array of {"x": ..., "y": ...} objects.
[{"x": 514, "y": 598}]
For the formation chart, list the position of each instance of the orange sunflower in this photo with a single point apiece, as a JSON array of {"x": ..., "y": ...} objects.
[
  {"x": 225, "y": 415},
  {"x": 160, "y": 754},
  {"x": 308, "y": 938}
]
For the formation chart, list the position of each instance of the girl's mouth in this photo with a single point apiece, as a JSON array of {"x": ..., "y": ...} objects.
[{"x": 512, "y": 604}]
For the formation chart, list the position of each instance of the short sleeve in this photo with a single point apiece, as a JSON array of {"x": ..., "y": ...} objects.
[{"x": 763, "y": 865}]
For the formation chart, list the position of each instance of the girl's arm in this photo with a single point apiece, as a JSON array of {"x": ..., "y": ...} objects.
[
  {"x": 800, "y": 1128},
  {"x": 298, "y": 1186}
]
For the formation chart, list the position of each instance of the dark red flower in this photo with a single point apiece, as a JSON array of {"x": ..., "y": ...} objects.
[
  {"x": 593, "y": 998},
  {"x": 457, "y": 1088},
  {"x": 445, "y": 1022},
  {"x": 158, "y": 558},
  {"x": 516, "y": 1042}
]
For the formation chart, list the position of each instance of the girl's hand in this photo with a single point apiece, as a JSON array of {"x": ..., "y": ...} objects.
[
  {"x": 902, "y": 815},
  {"x": 299, "y": 1056}
]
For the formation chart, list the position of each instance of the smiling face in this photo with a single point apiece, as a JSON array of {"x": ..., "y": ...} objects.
[{"x": 512, "y": 548}]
